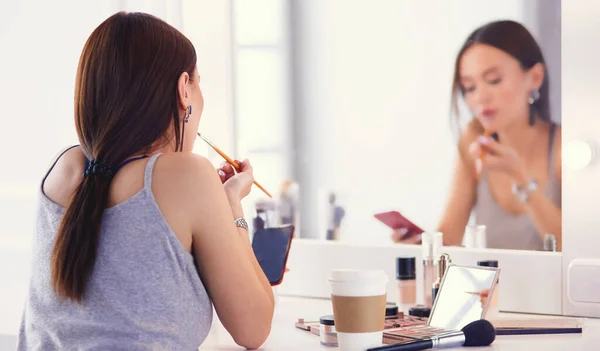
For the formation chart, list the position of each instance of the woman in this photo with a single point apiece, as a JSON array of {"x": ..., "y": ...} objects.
[
  {"x": 137, "y": 237},
  {"x": 509, "y": 169}
]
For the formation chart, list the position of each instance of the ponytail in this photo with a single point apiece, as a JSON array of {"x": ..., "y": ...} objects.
[{"x": 77, "y": 239}]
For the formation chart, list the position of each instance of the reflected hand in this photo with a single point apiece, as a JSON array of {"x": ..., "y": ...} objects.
[
  {"x": 398, "y": 234},
  {"x": 498, "y": 158},
  {"x": 483, "y": 295}
]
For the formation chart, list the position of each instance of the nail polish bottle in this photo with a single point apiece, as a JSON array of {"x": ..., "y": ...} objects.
[
  {"x": 493, "y": 307},
  {"x": 407, "y": 282}
]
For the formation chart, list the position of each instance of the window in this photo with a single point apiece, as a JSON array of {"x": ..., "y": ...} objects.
[
  {"x": 243, "y": 63},
  {"x": 260, "y": 88}
]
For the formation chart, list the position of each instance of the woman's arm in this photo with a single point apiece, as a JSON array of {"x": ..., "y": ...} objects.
[
  {"x": 238, "y": 288},
  {"x": 545, "y": 214},
  {"x": 463, "y": 194}
]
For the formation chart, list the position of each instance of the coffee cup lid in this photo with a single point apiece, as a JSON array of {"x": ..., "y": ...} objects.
[{"x": 351, "y": 275}]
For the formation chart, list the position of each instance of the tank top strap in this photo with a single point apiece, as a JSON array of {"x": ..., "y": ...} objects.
[
  {"x": 149, "y": 169},
  {"x": 56, "y": 161},
  {"x": 551, "y": 151}
]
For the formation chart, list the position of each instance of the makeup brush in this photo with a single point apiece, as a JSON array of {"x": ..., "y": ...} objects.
[
  {"x": 231, "y": 162},
  {"x": 477, "y": 333}
]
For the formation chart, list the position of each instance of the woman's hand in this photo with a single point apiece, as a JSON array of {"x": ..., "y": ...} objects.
[
  {"x": 399, "y": 234},
  {"x": 237, "y": 185},
  {"x": 497, "y": 158}
]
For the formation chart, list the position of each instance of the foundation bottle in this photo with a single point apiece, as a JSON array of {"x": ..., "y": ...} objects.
[
  {"x": 407, "y": 282},
  {"x": 493, "y": 307},
  {"x": 431, "y": 243}
]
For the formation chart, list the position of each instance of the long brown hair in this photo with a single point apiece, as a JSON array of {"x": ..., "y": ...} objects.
[
  {"x": 126, "y": 103},
  {"x": 514, "y": 39}
]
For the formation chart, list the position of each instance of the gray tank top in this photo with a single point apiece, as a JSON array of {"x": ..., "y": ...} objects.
[
  {"x": 509, "y": 231},
  {"x": 144, "y": 293}
]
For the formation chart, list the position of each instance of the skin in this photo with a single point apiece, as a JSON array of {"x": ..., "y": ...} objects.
[
  {"x": 200, "y": 205},
  {"x": 494, "y": 80}
]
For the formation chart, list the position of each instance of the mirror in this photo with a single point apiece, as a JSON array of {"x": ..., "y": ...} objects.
[
  {"x": 460, "y": 300},
  {"x": 372, "y": 124}
]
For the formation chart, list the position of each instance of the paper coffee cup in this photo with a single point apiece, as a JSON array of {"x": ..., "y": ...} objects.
[{"x": 359, "y": 300}]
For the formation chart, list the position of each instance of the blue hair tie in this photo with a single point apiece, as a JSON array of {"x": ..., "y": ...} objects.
[{"x": 98, "y": 168}]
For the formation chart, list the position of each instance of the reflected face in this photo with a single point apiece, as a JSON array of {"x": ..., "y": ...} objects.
[{"x": 495, "y": 87}]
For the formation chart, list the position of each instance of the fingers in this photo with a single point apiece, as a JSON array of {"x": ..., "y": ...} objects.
[
  {"x": 491, "y": 163},
  {"x": 225, "y": 171},
  {"x": 245, "y": 166},
  {"x": 490, "y": 144},
  {"x": 398, "y": 237},
  {"x": 475, "y": 150},
  {"x": 226, "y": 167}
]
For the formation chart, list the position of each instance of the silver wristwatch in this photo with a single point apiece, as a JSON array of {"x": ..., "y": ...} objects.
[
  {"x": 523, "y": 193},
  {"x": 241, "y": 223}
]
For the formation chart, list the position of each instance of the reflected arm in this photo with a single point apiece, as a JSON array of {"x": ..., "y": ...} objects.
[{"x": 462, "y": 197}]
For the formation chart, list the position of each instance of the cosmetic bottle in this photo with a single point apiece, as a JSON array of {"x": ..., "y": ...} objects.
[
  {"x": 407, "y": 282},
  {"x": 431, "y": 242},
  {"x": 327, "y": 331},
  {"x": 493, "y": 307},
  {"x": 550, "y": 242},
  {"x": 475, "y": 236},
  {"x": 443, "y": 264}
]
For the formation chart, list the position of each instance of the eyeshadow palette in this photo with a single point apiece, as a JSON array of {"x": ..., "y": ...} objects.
[{"x": 397, "y": 328}]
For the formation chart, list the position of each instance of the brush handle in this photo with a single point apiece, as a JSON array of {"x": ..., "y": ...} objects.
[{"x": 238, "y": 168}]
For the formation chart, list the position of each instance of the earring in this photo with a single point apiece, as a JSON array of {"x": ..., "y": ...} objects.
[
  {"x": 533, "y": 97},
  {"x": 188, "y": 112}
]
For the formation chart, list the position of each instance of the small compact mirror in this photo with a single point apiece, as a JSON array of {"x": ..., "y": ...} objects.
[{"x": 464, "y": 296}]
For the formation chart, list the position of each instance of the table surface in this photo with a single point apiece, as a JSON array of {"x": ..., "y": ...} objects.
[{"x": 284, "y": 336}]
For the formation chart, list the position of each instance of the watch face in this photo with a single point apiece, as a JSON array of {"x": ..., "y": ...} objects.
[
  {"x": 241, "y": 222},
  {"x": 522, "y": 194}
]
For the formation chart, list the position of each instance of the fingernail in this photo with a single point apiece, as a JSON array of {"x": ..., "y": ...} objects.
[
  {"x": 483, "y": 139},
  {"x": 221, "y": 173}
]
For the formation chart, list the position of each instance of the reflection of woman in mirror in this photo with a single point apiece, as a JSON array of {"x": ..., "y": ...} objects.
[{"x": 509, "y": 166}]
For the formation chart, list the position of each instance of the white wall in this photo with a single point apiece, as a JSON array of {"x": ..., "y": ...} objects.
[
  {"x": 374, "y": 100},
  {"x": 40, "y": 43}
]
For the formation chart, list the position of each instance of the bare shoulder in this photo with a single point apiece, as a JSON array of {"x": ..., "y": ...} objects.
[
  {"x": 184, "y": 177},
  {"x": 65, "y": 176},
  {"x": 186, "y": 169}
]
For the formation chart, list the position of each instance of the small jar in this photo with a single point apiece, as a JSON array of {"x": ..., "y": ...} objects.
[
  {"x": 407, "y": 282},
  {"x": 493, "y": 306},
  {"x": 550, "y": 242},
  {"x": 327, "y": 331}
]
